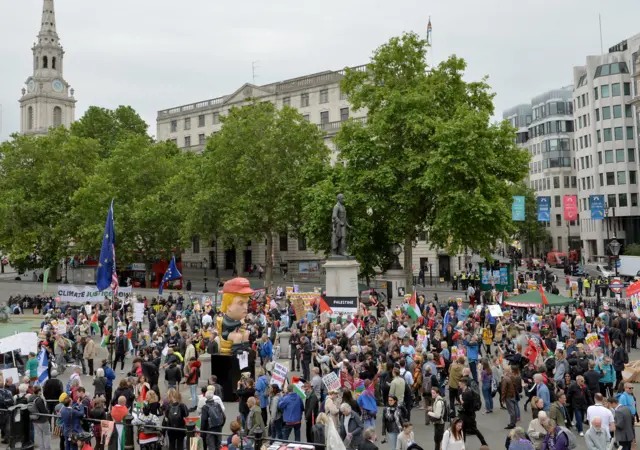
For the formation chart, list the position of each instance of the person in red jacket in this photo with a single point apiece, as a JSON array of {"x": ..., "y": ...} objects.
[{"x": 192, "y": 375}]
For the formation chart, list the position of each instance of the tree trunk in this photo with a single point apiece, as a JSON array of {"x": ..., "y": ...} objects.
[
  {"x": 148, "y": 266},
  {"x": 240, "y": 257},
  {"x": 268, "y": 270},
  {"x": 408, "y": 263}
]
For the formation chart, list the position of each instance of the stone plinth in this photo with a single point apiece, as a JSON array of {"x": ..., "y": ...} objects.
[
  {"x": 285, "y": 348},
  {"x": 342, "y": 284}
]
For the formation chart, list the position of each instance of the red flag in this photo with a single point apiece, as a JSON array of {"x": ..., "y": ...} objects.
[
  {"x": 106, "y": 331},
  {"x": 324, "y": 307},
  {"x": 130, "y": 334},
  {"x": 544, "y": 297}
]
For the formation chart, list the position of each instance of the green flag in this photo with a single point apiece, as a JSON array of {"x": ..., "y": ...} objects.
[{"x": 45, "y": 278}]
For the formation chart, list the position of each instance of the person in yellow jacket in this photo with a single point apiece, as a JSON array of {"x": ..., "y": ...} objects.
[
  {"x": 587, "y": 287},
  {"x": 455, "y": 373},
  {"x": 487, "y": 339}
]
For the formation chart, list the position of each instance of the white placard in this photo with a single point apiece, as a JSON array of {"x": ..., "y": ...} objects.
[
  {"x": 13, "y": 373},
  {"x": 331, "y": 381},
  {"x": 84, "y": 294},
  {"x": 243, "y": 360},
  {"x": 10, "y": 343},
  {"x": 165, "y": 350},
  {"x": 560, "y": 346},
  {"x": 350, "y": 330},
  {"x": 87, "y": 309},
  {"x": 138, "y": 312},
  {"x": 495, "y": 311},
  {"x": 389, "y": 315},
  {"x": 62, "y": 327},
  {"x": 279, "y": 375}
]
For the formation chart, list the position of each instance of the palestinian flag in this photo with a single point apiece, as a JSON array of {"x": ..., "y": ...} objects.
[
  {"x": 94, "y": 323},
  {"x": 298, "y": 387},
  {"x": 324, "y": 307},
  {"x": 414, "y": 309},
  {"x": 105, "y": 338},
  {"x": 544, "y": 297}
]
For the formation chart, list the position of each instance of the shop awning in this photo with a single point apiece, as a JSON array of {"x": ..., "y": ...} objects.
[{"x": 533, "y": 299}]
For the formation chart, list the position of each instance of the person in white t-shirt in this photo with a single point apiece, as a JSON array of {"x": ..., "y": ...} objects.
[
  {"x": 599, "y": 410},
  {"x": 206, "y": 319}
]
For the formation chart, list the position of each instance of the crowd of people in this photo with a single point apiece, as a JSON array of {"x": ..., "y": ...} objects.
[{"x": 433, "y": 363}]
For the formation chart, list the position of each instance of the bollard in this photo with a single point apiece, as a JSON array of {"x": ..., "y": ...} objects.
[
  {"x": 191, "y": 433},
  {"x": 129, "y": 432}
]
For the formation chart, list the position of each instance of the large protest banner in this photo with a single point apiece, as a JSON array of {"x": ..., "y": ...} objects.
[{"x": 84, "y": 294}]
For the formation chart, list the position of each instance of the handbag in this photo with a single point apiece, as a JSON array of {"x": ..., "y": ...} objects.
[{"x": 57, "y": 430}]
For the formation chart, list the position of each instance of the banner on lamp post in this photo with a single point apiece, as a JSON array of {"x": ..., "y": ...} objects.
[
  {"x": 544, "y": 208},
  {"x": 570, "y": 207},
  {"x": 517, "y": 208},
  {"x": 596, "y": 205}
]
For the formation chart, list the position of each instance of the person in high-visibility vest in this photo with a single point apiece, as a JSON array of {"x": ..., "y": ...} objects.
[{"x": 587, "y": 287}]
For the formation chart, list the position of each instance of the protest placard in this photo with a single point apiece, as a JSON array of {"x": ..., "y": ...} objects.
[
  {"x": 279, "y": 375},
  {"x": 495, "y": 310},
  {"x": 350, "y": 330},
  {"x": 331, "y": 381},
  {"x": 138, "y": 312}
]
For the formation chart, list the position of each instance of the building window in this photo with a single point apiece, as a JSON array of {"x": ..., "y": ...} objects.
[
  {"x": 57, "y": 116},
  {"x": 187, "y": 123},
  {"x": 631, "y": 154},
  {"x": 302, "y": 244},
  {"x": 618, "y": 133},
  {"x": 284, "y": 243},
  {"x": 201, "y": 120},
  {"x": 601, "y": 180},
  {"x": 566, "y": 181},
  {"x": 556, "y": 201},
  {"x": 344, "y": 114},
  {"x": 607, "y": 135},
  {"x": 615, "y": 90},
  {"x": 174, "y": 126},
  {"x": 611, "y": 200},
  {"x": 573, "y": 182},
  {"x": 45, "y": 62},
  {"x": 634, "y": 199},
  {"x": 556, "y": 182},
  {"x": 30, "y": 118},
  {"x": 174, "y": 140},
  {"x": 617, "y": 111},
  {"x": 606, "y": 112},
  {"x": 627, "y": 89},
  {"x": 306, "y": 117},
  {"x": 630, "y": 133},
  {"x": 611, "y": 179},
  {"x": 187, "y": 141},
  {"x": 324, "y": 95},
  {"x": 579, "y": 122},
  {"x": 628, "y": 111},
  {"x": 343, "y": 95},
  {"x": 324, "y": 117},
  {"x": 599, "y": 157},
  {"x": 620, "y": 155},
  {"x": 595, "y": 93},
  {"x": 622, "y": 177},
  {"x": 286, "y": 101},
  {"x": 608, "y": 156},
  {"x": 597, "y": 114},
  {"x": 622, "y": 200},
  {"x": 202, "y": 139},
  {"x": 53, "y": 62},
  {"x": 632, "y": 177},
  {"x": 195, "y": 244},
  {"x": 216, "y": 118},
  {"x": 558, "y": 220},
  {"x": 304, "y": 100},
  {"x": 604, "y": 91}
]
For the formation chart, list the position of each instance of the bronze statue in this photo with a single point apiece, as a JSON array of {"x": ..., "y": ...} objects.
[{"x": 340, "y": 225}]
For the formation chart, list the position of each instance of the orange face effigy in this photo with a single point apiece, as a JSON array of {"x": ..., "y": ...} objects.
[{"x": 235, "y": 305}]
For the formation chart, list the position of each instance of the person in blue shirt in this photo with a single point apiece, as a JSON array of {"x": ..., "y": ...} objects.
[
  {"x": 262, "y": 389},
  {"x": 70, "y": 416},
  {"x": 473, "y": 347},
  {"x": 110, "y": 375},
  {"x": 292, "y": 408},
  {"x": 626, "y": 398},
  {"x": 266, "y": 350},
  {"x": 542, "y": 391},
  {"x": 407, "y": 350}
]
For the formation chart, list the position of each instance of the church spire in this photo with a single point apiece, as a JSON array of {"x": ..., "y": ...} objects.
[{"x": 48, "y": 33}]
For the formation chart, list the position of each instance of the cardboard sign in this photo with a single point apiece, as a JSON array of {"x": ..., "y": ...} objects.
[
  {"x": 24, "y": 342},
  {"x": 495, "y": 310},
  {"x": 350, "y": 330},
  {"x": 279, "y": 375},
  {"x": 346, "y": 380},
  {"x": 331, "y": 381},
  {"x": 138, "y": 312},
  {"x": 13, "y": 373}
]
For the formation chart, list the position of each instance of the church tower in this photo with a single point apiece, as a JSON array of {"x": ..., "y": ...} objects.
[{"x": 47, "y": 100}]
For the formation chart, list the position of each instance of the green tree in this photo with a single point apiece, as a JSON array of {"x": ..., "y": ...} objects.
[
  {"x": 428, "y": 158},
  {"x": 146, "y": 221},
  {"x": 39, "y": 177},
  {"x": 256, "y": 170},
  {"x": 109, "y": 127},
  {"x": 632, "y": 250},
  {"x": 531, "y": 232}
]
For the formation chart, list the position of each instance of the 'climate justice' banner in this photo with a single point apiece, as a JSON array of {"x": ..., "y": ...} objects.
[{"x": 84, "y": 294}]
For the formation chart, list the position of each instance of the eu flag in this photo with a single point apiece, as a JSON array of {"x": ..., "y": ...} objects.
[
  {"x": 106, "y": 275},
  {"x": 172, "y": 273}
]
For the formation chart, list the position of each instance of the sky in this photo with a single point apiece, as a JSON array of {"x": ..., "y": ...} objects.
[{"x": 154, "y": 55}]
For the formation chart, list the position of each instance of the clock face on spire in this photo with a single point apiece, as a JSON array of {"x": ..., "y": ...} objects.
[
  {"x": 57, "y": 86},
  {"x": 31, "y": 85}
]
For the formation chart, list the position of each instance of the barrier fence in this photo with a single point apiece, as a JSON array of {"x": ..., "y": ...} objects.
[{"x": 16, "y": 425}]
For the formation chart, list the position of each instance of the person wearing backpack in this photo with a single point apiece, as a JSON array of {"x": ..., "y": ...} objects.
[
  {"x": 471, "y": 404},
  {"x": 438, "y": 415},
  {"x": 558, "y": 438},
  {"x": 175, "y": 414},
  {"x": 620, "y": 358},
  {"x": 41, "y": 426}
]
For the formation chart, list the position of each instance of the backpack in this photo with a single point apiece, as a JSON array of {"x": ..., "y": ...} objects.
[
  {"x": 408, "y": 396},
  {"x": 494, "y": 386},
  {"x": 477, "y": 403},
  {"x": 33, "y": 410},
  {"x": 446, "y": 413},
  {"x": 6, "y": 399},
  {"x": 174, "y": 416},
  {"x": 216, "y": 416},
  {"x": 571, "y": 438}
]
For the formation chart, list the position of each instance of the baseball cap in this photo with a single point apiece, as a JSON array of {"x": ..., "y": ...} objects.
[{"x": 237, "y": 286}]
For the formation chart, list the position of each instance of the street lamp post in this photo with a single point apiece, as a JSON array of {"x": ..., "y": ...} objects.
[
  {"x": 204, "y": 266},
  {"x": 614, "y": 246}
]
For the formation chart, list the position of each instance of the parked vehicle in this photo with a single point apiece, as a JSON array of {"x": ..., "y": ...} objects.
[
  {"x": 599, "y": 270},
  {"x": 629, "y": 267},
  {"x": 556, "y": 259}
]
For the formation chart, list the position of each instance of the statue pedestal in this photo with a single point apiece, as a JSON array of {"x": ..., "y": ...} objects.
[
  {"x": 398, "y": 279},
  {"x": 227, "y": 369},
  {"x": 284, "y": 344},
  {"x": 205, "y": 368},
  {"x": 342, "y": 284}
]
